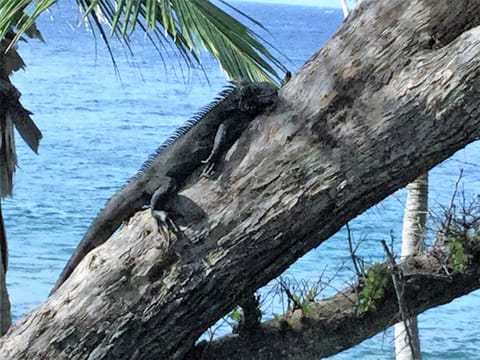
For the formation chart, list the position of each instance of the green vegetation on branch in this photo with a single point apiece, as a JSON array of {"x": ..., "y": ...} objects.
[
  {"x": 458, "y": 256},
  {"x": 374, "y": 282}
]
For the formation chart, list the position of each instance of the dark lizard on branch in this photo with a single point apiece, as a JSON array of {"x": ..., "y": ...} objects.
[{"x": 201, "y": 141}]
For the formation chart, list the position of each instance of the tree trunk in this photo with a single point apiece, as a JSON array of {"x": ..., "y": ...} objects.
[
  {"x": 12, "y": 114},
  {"x": 407, "y": 341},
  {"x": 5, "y": 309},
  {"x": 393, "y": 93},
  {"x": 345, "y": 10}
]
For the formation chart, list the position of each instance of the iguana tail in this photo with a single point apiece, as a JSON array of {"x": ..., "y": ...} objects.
[{"x": 119, "y": 208}]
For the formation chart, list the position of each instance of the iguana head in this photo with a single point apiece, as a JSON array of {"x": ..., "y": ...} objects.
[{"x": 255, "y": 97}]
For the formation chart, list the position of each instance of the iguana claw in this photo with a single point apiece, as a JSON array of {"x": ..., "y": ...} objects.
[{"x": 165, "y": 224}]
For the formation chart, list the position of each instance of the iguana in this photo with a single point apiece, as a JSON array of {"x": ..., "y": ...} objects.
[{"x": 201, "y": 141}]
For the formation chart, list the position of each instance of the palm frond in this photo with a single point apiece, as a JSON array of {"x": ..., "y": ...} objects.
[
  {"x": 19, "y": 16},
  {"x": 190, "y": 25}
]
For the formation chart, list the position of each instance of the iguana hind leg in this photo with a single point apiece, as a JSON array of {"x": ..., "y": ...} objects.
[{"x": 165, "y": 223}]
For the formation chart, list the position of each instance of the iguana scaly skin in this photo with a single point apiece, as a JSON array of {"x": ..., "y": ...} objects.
[{"x": 201, "y": 141}]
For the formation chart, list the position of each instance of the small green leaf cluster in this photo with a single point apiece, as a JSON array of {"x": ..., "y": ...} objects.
[
  {"x": 458, "y": 254},
  {"x": 374, "y": 282},
  {"x": 300, "y": 295},
  {"x": 236, "y": 315},
  {"x": 305, "y": 302},
  {"x": 460, "y": 233}
]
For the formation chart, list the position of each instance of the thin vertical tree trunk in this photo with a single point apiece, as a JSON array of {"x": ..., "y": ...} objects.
[
  {"x": 344, "y": 8},
  {"x": 12, "y": 114},
  {"x": 5, "y": 311},
  {"x": 7, "y": 167},
  {"x": 407, "y": 342}
]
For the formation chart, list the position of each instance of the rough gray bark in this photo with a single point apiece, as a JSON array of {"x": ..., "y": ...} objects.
[{"x": 393, "y": 93}]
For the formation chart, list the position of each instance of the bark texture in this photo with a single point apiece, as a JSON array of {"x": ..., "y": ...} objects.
[{"x": 393, "y": 93}]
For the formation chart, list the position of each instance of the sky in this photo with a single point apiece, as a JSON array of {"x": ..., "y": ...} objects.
[{"x": 322, "y": 3}]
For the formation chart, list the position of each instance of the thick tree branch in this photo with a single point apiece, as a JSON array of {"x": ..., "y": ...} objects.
[
  {"x": 334, "y": 324},
  {"x": 393, "y": 93}
]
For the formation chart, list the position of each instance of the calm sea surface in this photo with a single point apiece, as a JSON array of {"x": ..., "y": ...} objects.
[{"x": 99, "y": 127}]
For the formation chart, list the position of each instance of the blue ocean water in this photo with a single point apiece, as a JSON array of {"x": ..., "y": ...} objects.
[{"x": 99, "y": 127}]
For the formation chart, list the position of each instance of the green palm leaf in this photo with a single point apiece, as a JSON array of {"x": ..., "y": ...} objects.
[{"x": 190, "y": 25}]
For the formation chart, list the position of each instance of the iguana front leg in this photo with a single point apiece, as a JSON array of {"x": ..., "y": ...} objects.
[
  {"x": 218, "y": 143},
  {"x": 165, "y": 223}
]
